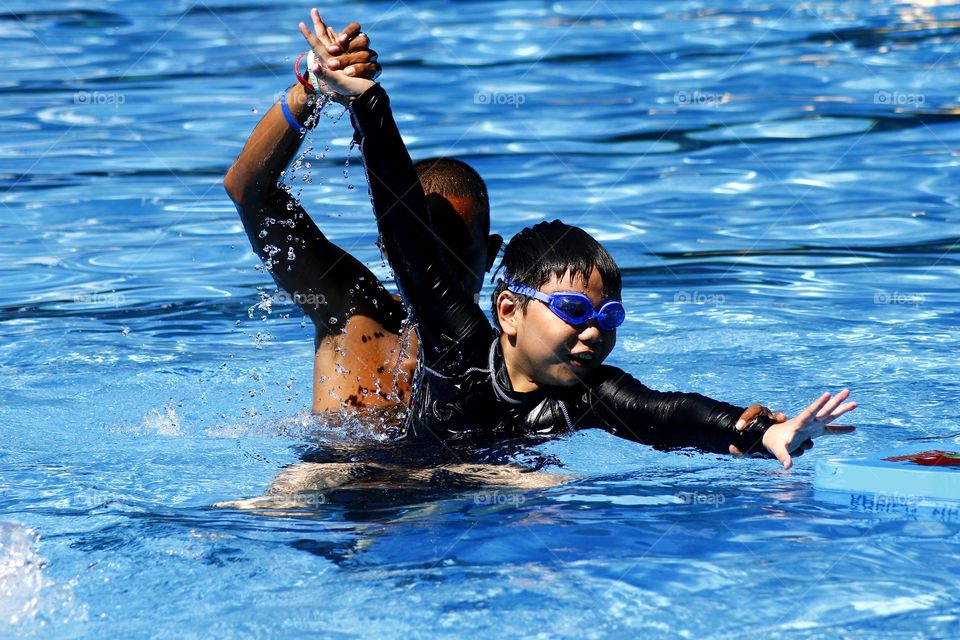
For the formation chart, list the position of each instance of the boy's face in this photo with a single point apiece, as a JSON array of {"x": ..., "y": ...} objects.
[{"x": 546, "y": 350}]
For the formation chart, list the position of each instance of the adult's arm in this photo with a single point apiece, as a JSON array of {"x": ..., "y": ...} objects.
[
  {"x": 323, "y": 279},
  {"x": 448, "y": 320}
]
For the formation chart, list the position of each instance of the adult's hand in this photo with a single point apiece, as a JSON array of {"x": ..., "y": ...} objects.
[{"x": 352, "y": 53}]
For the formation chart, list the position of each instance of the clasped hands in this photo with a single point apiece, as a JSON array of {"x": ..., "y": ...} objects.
[{"x": 344, "y": 62}]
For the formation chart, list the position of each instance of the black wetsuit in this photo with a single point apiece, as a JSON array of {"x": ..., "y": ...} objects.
[{"x": 462, "y": 387}]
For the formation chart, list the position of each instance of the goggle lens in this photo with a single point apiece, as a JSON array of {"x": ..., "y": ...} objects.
[
  {"x": 577, "y": 309},
  {"x": 611, "y": 315}
]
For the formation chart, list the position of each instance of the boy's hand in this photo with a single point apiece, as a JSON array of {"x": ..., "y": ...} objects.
[
  {"x": 323, "y": 41},
  {"x": 784, "y": 438}
]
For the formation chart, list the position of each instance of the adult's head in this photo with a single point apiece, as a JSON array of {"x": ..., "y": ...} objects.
[
  {"x": 460, "y": 209},
  {"x": 540, "y": 346}
]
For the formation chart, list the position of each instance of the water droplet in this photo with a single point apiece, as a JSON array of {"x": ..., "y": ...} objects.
[
  {"x": 125, "y": 331},
  {"x": 263, "y": 233},
  {"x": 290, "y": 254},
  {"x": 350, "y": 187}
]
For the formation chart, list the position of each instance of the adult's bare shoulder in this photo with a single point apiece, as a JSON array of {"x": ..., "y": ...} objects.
[{"x": 367, "y": 365}]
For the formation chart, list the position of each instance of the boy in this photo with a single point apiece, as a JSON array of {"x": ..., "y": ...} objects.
[
  {"x": 557, "y": 308},
  {"x": 364, "y": 351}
]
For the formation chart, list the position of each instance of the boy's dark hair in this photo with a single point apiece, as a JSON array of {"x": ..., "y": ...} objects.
[
  {"x": 555, "y": 249},
  {"x": 450, "y": 177}
]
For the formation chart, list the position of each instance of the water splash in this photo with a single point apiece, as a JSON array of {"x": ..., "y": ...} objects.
[
  {"x": 161, "y": 423},
  {"x": 27, "y": 596}
]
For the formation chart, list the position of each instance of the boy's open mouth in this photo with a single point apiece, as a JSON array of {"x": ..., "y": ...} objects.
[{"x": 582, "y": 358}]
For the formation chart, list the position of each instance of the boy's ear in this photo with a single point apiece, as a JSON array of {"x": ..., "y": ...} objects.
[{"x": 508, "y": 312}]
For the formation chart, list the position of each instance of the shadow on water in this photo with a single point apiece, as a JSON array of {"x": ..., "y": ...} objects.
[
  {"x": 365, "y": 488},
  {"x": 897, "y": 255},
  {"x": 869, "y": 38},
  {"x": 86, "y": 18}
]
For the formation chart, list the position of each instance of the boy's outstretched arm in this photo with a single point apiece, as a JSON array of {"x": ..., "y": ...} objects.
[
  {"x": 316, "y": 272},
  {"x": 630, "y": 409}
]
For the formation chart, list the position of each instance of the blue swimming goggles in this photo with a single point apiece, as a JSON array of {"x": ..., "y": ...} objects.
[{"x": 574, "y": 308}]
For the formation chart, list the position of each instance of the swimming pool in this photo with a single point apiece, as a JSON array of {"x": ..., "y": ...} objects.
[{"x": 778, "y": 183}]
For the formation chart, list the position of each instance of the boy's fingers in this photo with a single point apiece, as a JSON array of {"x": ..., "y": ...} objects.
[
  {"x": 319, "y": 27},
  {"x": 333, "y": 40},
  {"x": 784, "y": 457},
  {"x": 839, "y": 411},
  {"x": 735, "y": 451},
  {"x": 833, "y": 404},
  {"x": 850, "y": 406},
  {"x": 311, "y": 39},
  {"x": 780, "y": 416},
  {"x": 814, "y": 407}
]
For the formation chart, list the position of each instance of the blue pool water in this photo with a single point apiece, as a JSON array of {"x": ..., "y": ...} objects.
[{"x": 777, "y": 180}]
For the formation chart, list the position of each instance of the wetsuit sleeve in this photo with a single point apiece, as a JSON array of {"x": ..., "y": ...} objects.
[
  {"x": 448, "y": 319},
  {"x": 627, "y": 408}
]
